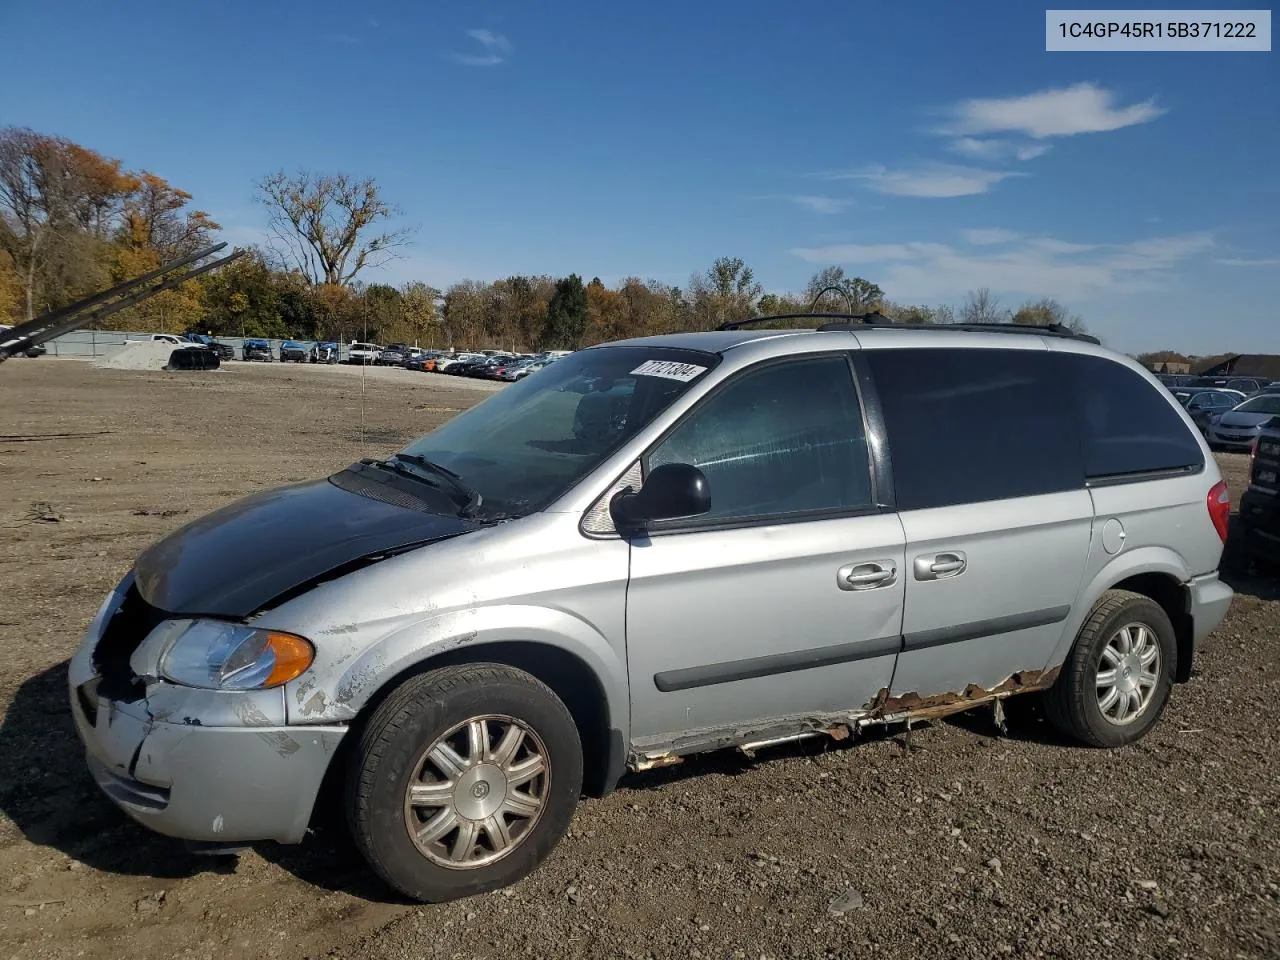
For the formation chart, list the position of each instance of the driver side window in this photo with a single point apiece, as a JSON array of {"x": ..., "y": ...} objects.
[{"x": 779, "y": 440}]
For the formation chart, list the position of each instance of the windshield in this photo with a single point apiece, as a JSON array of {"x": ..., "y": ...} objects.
[
  {"x": 526, "y": 446},
  {"x": 1269, "y": 403}
]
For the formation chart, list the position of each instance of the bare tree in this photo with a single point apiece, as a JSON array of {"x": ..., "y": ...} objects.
[
  {"x": 323, "y": 224},
  {"x": 982, "y": 306}
]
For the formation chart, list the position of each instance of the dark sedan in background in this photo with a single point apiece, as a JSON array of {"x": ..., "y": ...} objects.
[
  {"x": 256, "y": 349},
  {"x": 291, "y": 351}
]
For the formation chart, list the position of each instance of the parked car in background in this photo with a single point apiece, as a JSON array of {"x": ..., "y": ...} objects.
[
  {"x": 1203, "y": 405},
  {"x": 224, "y": 350},
  {"x": 518, "y": 371},
  {"x": 412, "y": 354},
  {"x": 323, "y": 351},
  {"x": 1260, "y": 505},
  {"x": 653, "y": 549},
  {"x": 392, "y": 355},
  {"x": 451, "y": 364},
  {"x": 172, "y": 338},
  {"x": 484, "y": 369},
  {"x": 422, "y": 361},
  {"x": 1245, "y": 385},
  {"x": 256, "y": 349},
  {"x": 1238, "y": 428},
  {"x": 291, "y": 351},
  {"x": 363, "y": 352},
  {"x": 1172, "y": 380}
]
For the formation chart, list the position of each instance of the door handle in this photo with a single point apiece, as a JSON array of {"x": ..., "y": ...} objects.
[
  {"x": 940, "y": 566},
  {"x": 867, "y": 576}
]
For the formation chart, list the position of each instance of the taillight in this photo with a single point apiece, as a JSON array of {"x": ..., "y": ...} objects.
[{"x": 1219, "y": 503}]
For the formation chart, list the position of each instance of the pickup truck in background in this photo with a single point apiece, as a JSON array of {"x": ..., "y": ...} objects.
[
  {"x": 223, "y": 350},
  {"x": 1260, "y": 505}
]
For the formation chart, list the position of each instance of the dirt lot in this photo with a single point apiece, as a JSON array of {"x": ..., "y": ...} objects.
[{"x": 957, "y": 843}]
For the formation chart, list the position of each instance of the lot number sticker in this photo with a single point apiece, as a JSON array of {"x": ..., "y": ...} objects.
[{"x": 668, "y": 369}]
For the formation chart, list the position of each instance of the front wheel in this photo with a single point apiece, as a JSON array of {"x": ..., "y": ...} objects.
[
  {"x": 1117, "y": 679},
  {"x": 463, "y": 781}
]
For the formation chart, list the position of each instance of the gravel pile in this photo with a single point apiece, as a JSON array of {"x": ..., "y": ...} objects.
[{"x": 137, "y": 355}]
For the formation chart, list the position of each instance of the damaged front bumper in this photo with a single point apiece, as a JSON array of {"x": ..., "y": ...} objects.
[
  {"x": 202, "y": 765},
  {"x": 216, "y": 784}
]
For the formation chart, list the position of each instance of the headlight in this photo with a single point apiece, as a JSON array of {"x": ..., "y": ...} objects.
[{"x": 227, "y": 656}]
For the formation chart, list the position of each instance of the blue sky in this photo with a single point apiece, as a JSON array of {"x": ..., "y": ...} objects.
[{"x": 923, "y": 146}]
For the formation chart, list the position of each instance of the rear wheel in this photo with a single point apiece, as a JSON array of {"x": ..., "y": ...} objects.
[
  {"x": 463, "y": 781},
  {"x": 1117, "y": 679}
]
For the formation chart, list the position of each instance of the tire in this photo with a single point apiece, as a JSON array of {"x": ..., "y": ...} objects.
[
  {"x": 391, "y": 753},
  {"x": 1074, "y": 704}
]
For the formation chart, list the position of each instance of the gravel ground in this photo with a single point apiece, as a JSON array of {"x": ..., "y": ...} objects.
[{"x": 955, "y": 842}]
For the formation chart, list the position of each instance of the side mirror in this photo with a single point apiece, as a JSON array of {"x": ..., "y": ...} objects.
[{"x": 670, "y": 491}]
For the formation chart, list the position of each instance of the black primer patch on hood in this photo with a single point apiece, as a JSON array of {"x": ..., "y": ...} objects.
[{"x": 236, "y": 560}]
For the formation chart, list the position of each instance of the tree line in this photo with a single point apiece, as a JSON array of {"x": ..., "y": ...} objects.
[{"x": 73, "y": 221}]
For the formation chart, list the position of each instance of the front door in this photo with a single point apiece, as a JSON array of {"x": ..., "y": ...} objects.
[{"x": 785, "y": 601}]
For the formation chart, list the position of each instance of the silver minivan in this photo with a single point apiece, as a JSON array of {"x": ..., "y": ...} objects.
[{"x": 646, "y": 550}]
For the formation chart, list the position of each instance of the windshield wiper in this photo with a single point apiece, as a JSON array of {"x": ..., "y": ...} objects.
[{"x": 467, "y": 497}]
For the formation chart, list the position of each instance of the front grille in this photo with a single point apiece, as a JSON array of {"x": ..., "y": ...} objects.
[{"x": 121, "y": 635}]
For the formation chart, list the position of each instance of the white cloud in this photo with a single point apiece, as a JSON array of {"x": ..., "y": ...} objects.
[
  {"x": 1033, "y": 267},
  {"x": 813, "y": 203},
  {"x": 1237, "y": 262},
  {"x": 1052, "y": 245},
  {"x": 1081, "y": 108},
  {"x": 496, "y": 49},
  {"x": 933, "y": 180},
  {"x": 996, "y": 149},
  {"x": 982, "y": 237},
  {"x": 870, "y": 252}
]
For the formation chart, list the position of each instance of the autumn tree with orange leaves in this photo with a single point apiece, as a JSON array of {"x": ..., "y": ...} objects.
[{"x": 73, "y": 221}]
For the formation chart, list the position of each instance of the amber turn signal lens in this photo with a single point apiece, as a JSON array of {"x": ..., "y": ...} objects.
[{"x": 292, "y": 656}]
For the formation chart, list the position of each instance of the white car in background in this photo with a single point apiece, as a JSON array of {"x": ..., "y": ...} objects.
[{"x": 363, "y": 352}]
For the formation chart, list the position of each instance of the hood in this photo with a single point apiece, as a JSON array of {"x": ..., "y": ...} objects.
[
  {"x": 236, "y": 560},
  {"x": 1246, "y": 420}
]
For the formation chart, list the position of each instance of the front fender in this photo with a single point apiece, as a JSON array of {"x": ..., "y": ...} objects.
[
  {"x": 339, "y": 695},
  {"x": 1124, "y": 565}
]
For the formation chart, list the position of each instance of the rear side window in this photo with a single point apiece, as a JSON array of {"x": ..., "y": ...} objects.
[
  {"x": 783, "y": 440},
  {"x": 1127, "y": 424},
  {"x": 972, "y": 425}
]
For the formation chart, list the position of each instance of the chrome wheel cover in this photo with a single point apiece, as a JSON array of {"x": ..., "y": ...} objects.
[
  {"x": 1128, "y": 673},
  {"x": 477, "y": 792}
]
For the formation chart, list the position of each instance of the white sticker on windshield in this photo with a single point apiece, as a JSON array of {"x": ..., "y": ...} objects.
[{"x": 668, "y": 369}]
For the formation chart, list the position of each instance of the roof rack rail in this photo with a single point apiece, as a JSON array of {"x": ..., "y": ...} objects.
[
  {"x": 853, "y": 321},
  {"x": 1048, "y": 330},
  {"x": 875, "y": 317}
]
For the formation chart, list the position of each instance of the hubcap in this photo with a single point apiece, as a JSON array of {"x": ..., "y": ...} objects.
[
  {"x": 1128, "y": 673},
  {"x": 477, "y": 792}
]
